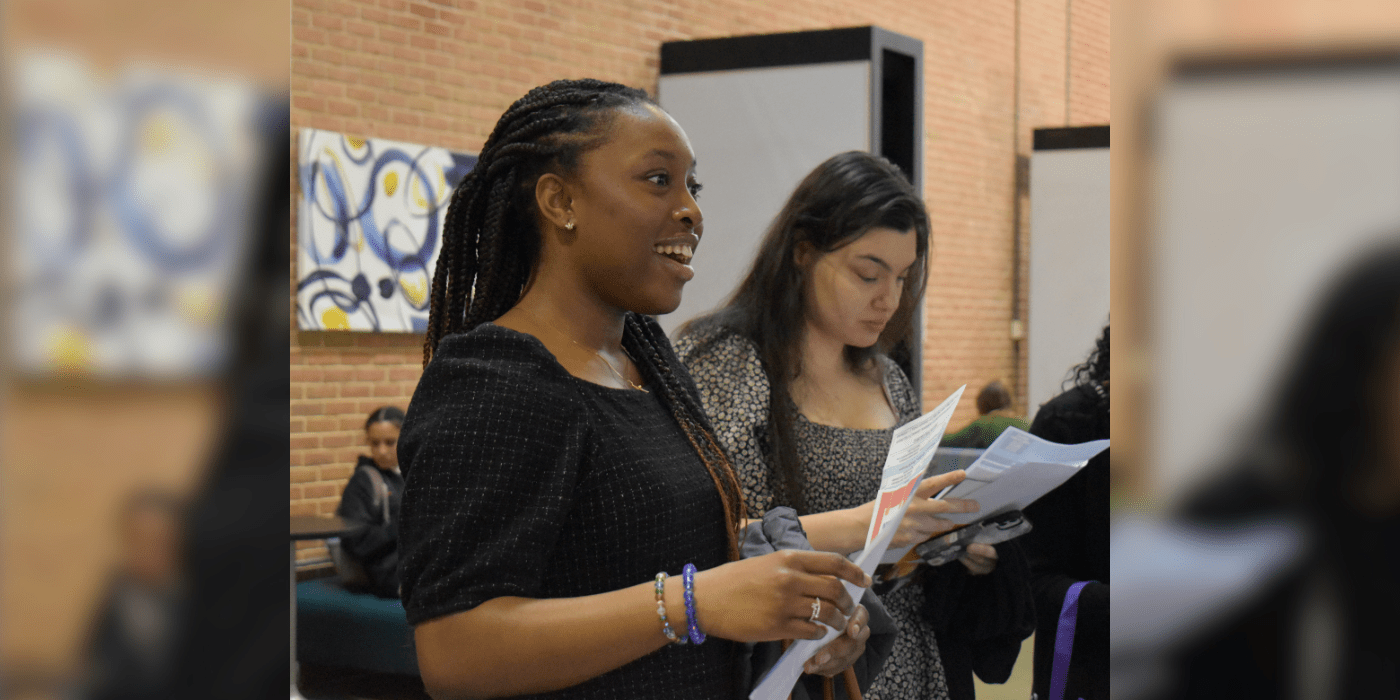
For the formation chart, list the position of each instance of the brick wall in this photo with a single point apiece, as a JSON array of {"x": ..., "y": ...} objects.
[{"x": 441, "y": 72}]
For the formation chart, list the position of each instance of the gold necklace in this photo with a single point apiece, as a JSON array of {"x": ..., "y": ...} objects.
[{"x": 599, "y": 355}]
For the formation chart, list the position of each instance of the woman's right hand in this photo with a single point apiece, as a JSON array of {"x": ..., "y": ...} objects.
[
  {"x": 770, "y": 597},
  {"x": 921, "y": 521}
]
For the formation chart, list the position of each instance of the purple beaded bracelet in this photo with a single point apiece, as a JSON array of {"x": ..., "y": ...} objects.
[{"x": 688, "y": 576}]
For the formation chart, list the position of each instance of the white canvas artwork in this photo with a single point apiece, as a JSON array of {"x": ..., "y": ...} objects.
[
  {"x": 132, "y": 196},
  {"x": 369, "y": 222}
]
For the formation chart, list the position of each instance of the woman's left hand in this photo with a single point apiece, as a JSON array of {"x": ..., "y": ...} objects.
[
  {"x": 842, "y": 651},
  {"x": 980, "y": 559}
]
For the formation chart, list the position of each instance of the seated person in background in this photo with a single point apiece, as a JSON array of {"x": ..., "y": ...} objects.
[
  {"x": 129, "y": 651},
  {"x": 372, "y": 498},
  {"x": 994, "y": 407}
]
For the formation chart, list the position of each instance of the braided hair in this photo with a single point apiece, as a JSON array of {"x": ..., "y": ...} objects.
[{"x": 491, "y": 242}]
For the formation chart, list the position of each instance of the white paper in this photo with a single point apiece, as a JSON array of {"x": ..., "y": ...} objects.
[
  {"x": 1016, "y": 470},
  {"x": 911, "y": 450}
]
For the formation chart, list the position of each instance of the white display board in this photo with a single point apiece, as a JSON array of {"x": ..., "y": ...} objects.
[
  {"x": 1069, "y": 265},
  {"x": 756, "y": 133},
  {"x": 1267, "y": 182}
]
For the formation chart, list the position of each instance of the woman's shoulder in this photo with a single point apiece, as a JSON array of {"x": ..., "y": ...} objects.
[
  {"x": 491, "y": 366},
  {"x": 706, "y": 344},
  {"x": 897, "y": 383}
]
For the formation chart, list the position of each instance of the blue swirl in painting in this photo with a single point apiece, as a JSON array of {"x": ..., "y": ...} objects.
[
  {"x": 369, "y": 230},
  {"x": 57, "y": 167},
  {"x": 197, "y": 238}
]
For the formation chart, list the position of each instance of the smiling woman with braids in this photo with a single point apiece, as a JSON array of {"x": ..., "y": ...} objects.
[{"x": 555, "y": 451}]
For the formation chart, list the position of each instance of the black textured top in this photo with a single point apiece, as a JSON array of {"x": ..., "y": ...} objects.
[{"x": 523, "y": 480}]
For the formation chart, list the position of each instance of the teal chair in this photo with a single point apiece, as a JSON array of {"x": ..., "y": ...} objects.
[{"x": 337, "y": 627}]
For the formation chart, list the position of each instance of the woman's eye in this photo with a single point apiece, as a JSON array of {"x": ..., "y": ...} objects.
[
  {"x": 695, "y": 188},
  {"x": 661, "y": 179}
]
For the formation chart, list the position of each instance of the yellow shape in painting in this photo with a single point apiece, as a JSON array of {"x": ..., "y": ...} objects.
[
  {"x": 391, "y": 183},
  {"x": 414, "y": 290},
  {"x": 157, "y": 134},
  {"x": 199, "y": 305},
  {"x": 355, "y": 143},
  {"x": 333, "y": 319},
  {"x": 69, "y": 350},
  {"x": 418, "y": 194},
  {"x": 360, "y": 243}
]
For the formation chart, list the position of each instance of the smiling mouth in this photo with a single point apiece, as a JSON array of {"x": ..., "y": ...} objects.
[{"x": 680, "y": 253}]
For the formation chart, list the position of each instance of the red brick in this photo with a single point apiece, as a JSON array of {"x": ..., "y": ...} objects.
[
  {"x": 361, "y": 94},
  {"x": 299, "y": 374},
  {"x": 437, "y": 29},
  {"x": 332, "y": 441},
  {"x": 337, "y": 473},
  {"x": 307, "y": 35},
  {"x": 303, "y": 442},
  {"x": 319, "y": 457},
  {"x": 328, "y": 55},
  {"x": 321, "y": 491},
  {"x": 343, "y": 42},
  {"x": 317, "y": 425},
  {"x": 301, "y": 475},
  {"x": 339, "y": 374},
  {"x": 304, "y": 509},
  {"x": 324, "y": 21},
  {"x": 352, "y": 391},
  {"x": 340, "y": 407},
  {"x": 423, "y": 42},
  {"x": 388, "y": 390},
  {"x": 405, "y": 22},
  {"x": 344, "y": 109},
  {"x": 303, "y": 408},
  {"x": 423, "y": 11}
]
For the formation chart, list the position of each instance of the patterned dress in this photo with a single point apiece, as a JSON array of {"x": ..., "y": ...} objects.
[{"x": 842, "y": 470}]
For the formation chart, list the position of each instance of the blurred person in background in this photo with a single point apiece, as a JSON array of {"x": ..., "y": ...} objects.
[
  {"x": 1068, "y": 547},
  {"x": 994, "y": 415},
  {"x": 372, "y": 498},
  {"x": 130, "y": 648},
  {"x": 1328, "y": 460}
]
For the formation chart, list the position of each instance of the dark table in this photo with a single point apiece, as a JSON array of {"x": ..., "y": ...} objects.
[{"x": 307, "y": 527}]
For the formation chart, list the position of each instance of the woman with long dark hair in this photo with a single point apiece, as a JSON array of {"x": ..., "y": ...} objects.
[
  {"x": 1068, "y": 547},
  {"x": 795, "y": 372},
  {"x": 563, "y": 483}
]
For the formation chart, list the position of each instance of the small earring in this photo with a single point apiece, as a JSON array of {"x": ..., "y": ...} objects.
[{"x": 570, "y": 225}]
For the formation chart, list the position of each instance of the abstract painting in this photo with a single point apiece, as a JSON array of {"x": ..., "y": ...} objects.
[
  {"x": 133, "y": 193},
  {"x": 369, "y": 229}
]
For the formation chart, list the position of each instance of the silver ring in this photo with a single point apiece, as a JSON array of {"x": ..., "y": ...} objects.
[{"x": 816, "y": 609}]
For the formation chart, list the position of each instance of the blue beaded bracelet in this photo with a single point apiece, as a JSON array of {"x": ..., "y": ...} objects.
[
  {"x": 688, "y": 576},
  {"x": 661, "y": 610}
]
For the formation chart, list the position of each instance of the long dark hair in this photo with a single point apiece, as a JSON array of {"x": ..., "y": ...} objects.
[
  {"x": 491, "y": 244},
  {"x": 1325, "y": 413},
  {"x": 833, "y": 206},
  {"x": 1091, "y": 375}
]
